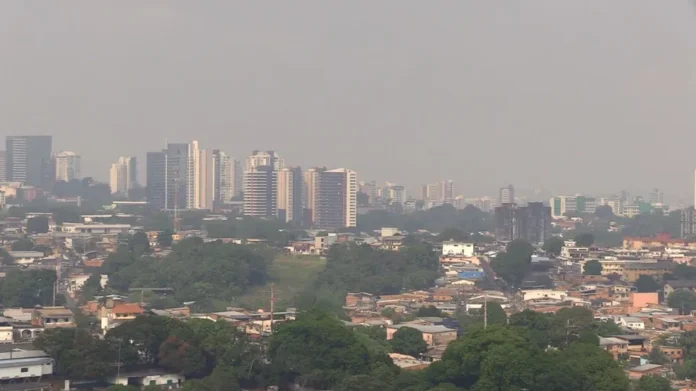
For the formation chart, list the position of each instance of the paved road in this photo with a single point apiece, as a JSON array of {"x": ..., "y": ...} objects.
[{"x": 490, "y": 274}]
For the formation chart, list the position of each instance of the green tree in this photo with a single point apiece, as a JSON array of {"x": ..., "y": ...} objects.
[
  {"x": 513, "y": 264},
  {"x": 182, "y": 357},
  {"x": 409, "y": 341},
  {"x": 494, "y": 313},
  {"x": 604, "y": 212},
  {"x": 37, "y": 225},
  {"x": 316, "y": 350},
  {"x": 584, "y": 240},
  {"x": 76, "y": 353},
  {"x": 138, "y": 243},
  {"x": 683, "y": 300},
  {"x": 24, "y": 244},
  {"x": 647, "y": 283},
  {"x": 164, "y": 238},
  {"x": 657, "y": 357},
  {"x": 553, "y": 245},
  {"x": 119, "y": 387},
  {"x": 429, "y": 311},
  {"x": 592, "y": 268},
  {"x": 654, "y": 383}
]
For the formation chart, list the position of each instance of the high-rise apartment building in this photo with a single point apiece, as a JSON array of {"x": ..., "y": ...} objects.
[
  {"x": 67, "y": 166},
  {"x": 531, "y": 223},
  {"x": 260, "y": 186},
  {"x": 238, "y": 179},
  {"x": 224, "y": 177},
  {"x": 123, "y": 175},
  {"x": 432, "y": 195},
  {"x": 285, "y": 195},
  {"x": 202, "y": 180},
  {"x": 28, "y": 160},
  {"x": 560, "y": 205},
  {"x": 507, "y": 195},
  {"x": 156, "y": 180},
  {"x": 310, "y": 183},
  {"x": 370, "y": 189},
  {"x": 688, "y": 223},
  {"x": 184, "y": 180},
  {"x": 656, "y": 197},
  {"x": 394, "y": 194},
  {"x": 336, "y": 199},
  {"x": 448, "y": 191},
  {"x": 3, "y": 169},
  {"x": 265, "y": 158}
]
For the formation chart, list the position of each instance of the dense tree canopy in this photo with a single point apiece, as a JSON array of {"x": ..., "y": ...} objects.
[
  {"x": 584, "y": 240},
  {"x": 28, "y": 288},
  {"x": 502, "y": 358},
  {"x": 553, "y": 245},
  {"x": 24, "y": 244},
  {"x": 513, "y": 264},
  {"x": 317, "y": 351},
  {"x": 212, "y": 353},
  {"x": 37, "y": 225},
  {"x": 195, "y": 270},
  {"x": 408, "y": 341},
  {"x": 683, "y": 300},
  {"x": 361, "y": 268},
  {"x": 592, "y": 268},
  {"x": 647, "y": 283},
  {"x": 437, "y": 219}
]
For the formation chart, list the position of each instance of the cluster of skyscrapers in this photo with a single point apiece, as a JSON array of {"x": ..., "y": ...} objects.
[
  {"x": 185, "y": 176},
  {"x": 29, "y": 160},
  {"x": 531, "y": 222}
]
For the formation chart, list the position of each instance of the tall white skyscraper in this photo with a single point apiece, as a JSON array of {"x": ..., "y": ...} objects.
[
  {"x": 260, "y": 184},
  {"x": 224, "y": 183},
  {"x": 199, "y": 186},
  {"x": 285, "y": 194},
  {"x": 67, "y": 165},
  {"x": 123, "y": 175}
]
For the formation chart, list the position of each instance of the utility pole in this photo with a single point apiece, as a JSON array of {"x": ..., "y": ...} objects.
[
  {"x": 272, "y": 304},
  {"x": 55, "y": 287},
  {"x": 485, "y": 310}
]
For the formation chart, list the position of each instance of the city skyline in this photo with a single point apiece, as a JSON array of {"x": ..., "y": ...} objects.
[{"x": 518, "y": 102}]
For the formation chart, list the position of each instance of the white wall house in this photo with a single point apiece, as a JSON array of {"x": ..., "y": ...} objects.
[
  {"x": 458, "y": 248},
  {"x": 25, "y": 368}
]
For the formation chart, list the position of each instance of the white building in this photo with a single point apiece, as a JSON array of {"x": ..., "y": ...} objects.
[
  {"x": 285, "y": 191},
  {"x": 458, "y": 248},
  {"x": 96, "y": 228},
  {"x": 164, "y": 379},
  {"x": 26, "y": 257},
  {"x": 23, "y": 369},
  {"x": 123, "y": 175},
  {"x": 67, "y": 166}
]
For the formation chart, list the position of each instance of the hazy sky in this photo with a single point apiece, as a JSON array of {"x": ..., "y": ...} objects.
[{"x": 566, "y": 95}]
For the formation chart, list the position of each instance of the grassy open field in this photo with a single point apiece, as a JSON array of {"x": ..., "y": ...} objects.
[{"x": 291, "y": 274}]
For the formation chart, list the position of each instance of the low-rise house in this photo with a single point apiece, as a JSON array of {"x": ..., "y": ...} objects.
[
  {"x": 451, "y": 247},
  {"x": 630, "y": 322},
  {"x": 392, "y": 243},
  {"x": 675, "y": 285},
  {"x": 432, "y": 335},
  {"x": 618, "y": 348},
  {"x": 643, "y": 370},
  {"x": 114, "y": 313},
  {"x": 151, "y": 377},
  {"x": 675, "y": 354},
  {"x": 26, "y": 257},
  {"x": 53, "y": 317}
]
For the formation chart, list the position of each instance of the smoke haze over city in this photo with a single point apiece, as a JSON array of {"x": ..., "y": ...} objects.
[{"x": 582, "y": 96}]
